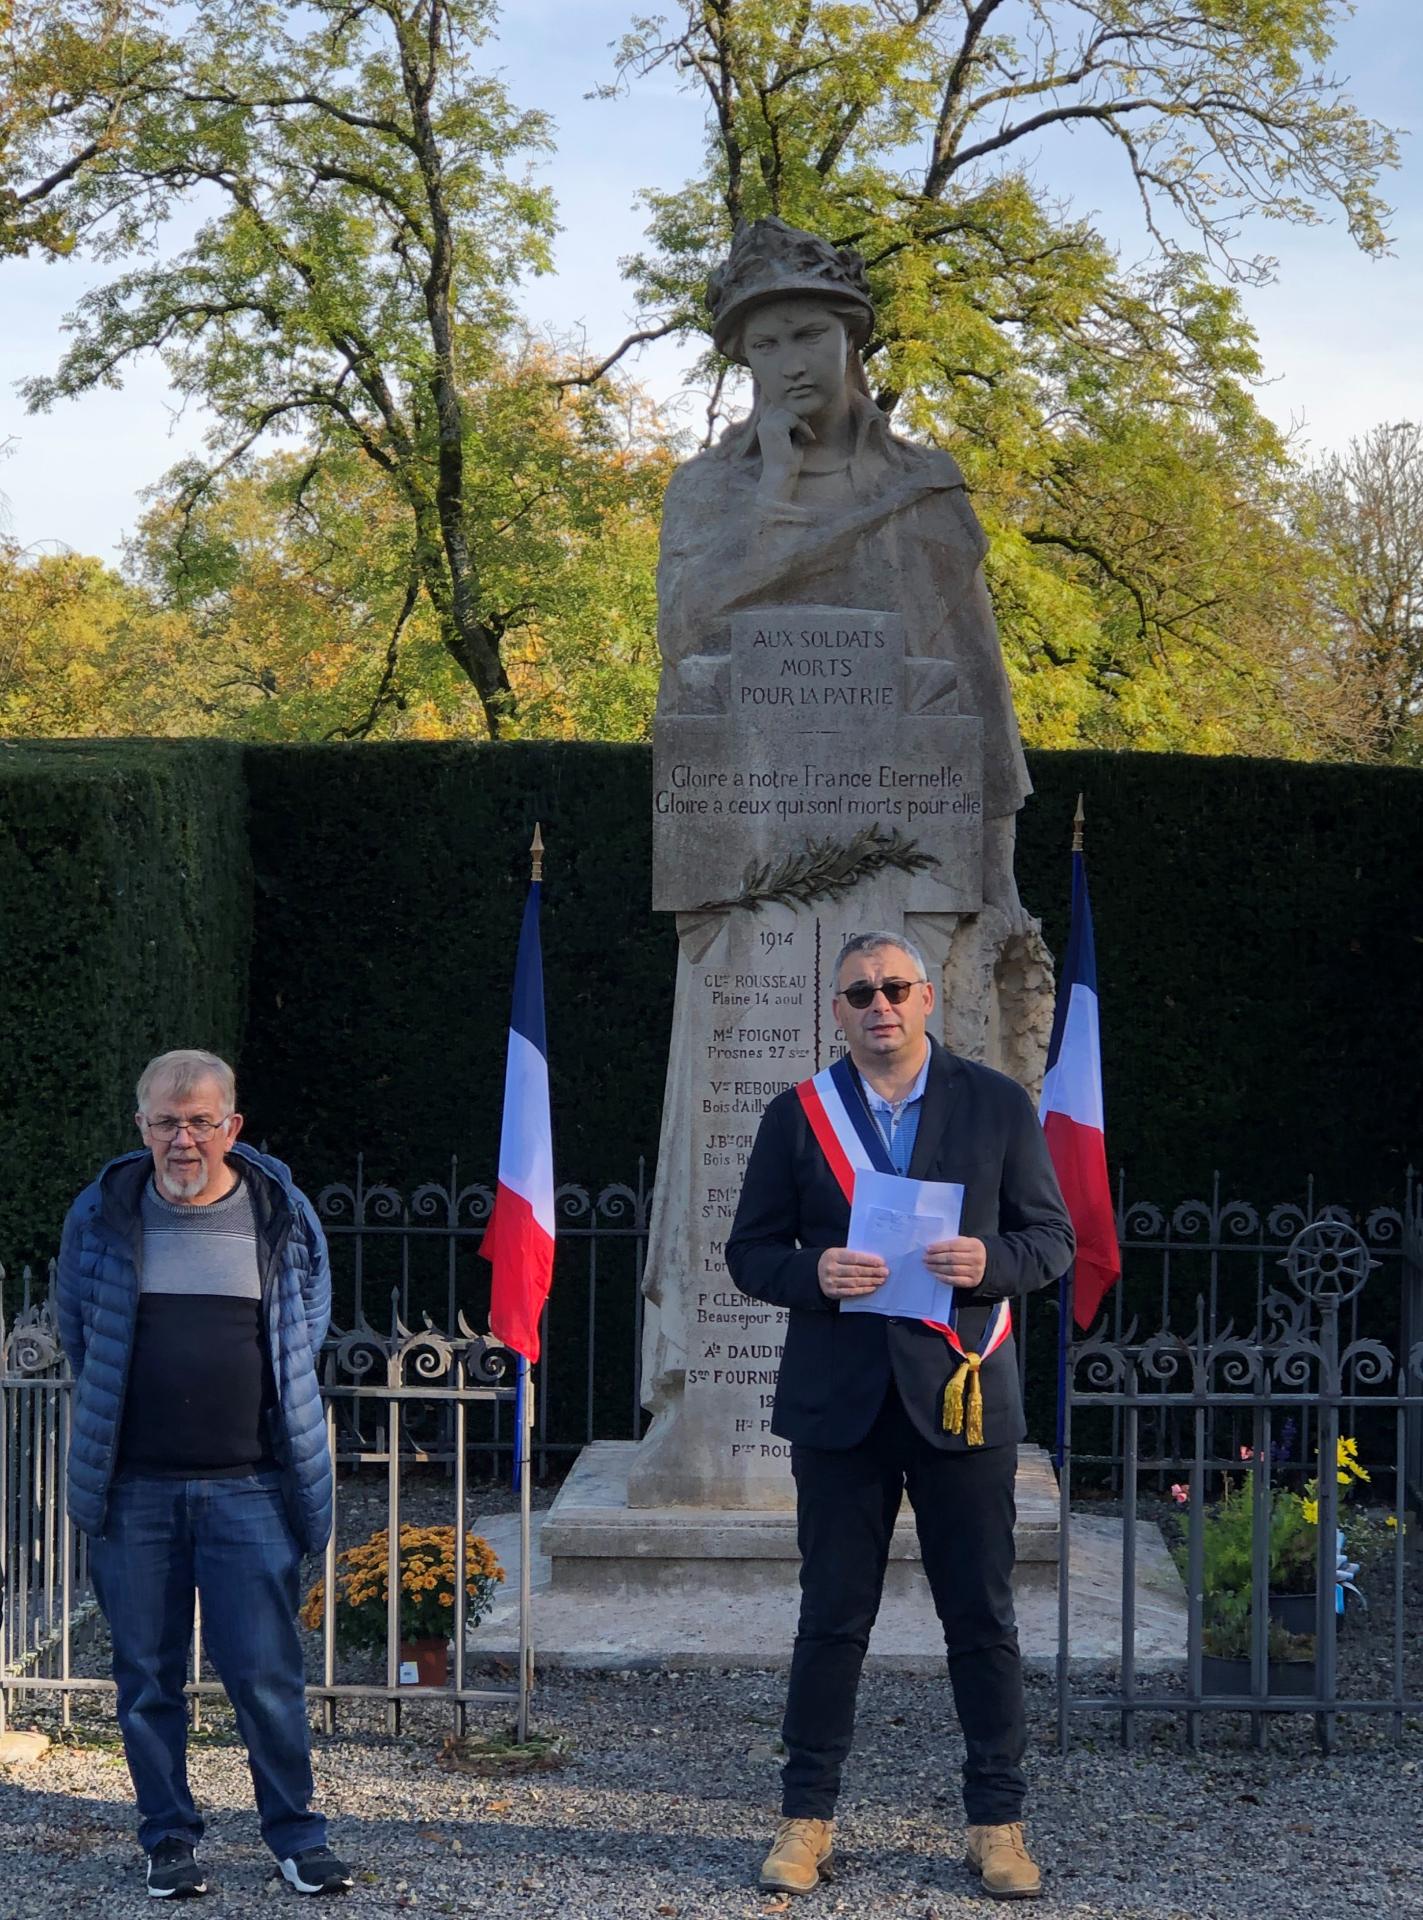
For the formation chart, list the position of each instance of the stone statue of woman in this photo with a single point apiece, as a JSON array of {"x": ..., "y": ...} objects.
[
  {"x": 809, "y": 503},
  {"x": 812, "y": 499}
]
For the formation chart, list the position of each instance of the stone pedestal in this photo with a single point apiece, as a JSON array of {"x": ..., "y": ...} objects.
[
  {"x": 815, "y": 781},
  {"x": 600, "y": 1545}
]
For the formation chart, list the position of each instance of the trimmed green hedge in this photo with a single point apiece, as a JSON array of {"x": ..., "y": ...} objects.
[
  {"x": 389, "y": 887},
  {"x": 1259, "y": 954},
  {"x": 1259, "y": 939},
  {"x": 1259, "y": 931},
  {"x": 123, "y": 877}
]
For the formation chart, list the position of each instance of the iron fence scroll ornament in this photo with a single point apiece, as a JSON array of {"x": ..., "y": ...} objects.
[
  {"x": 1304, "y": 1357},
  {"x": 1249, "y": 1345}
]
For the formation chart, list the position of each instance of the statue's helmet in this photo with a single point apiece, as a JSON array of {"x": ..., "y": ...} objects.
[{"x": 770, "y": 260}]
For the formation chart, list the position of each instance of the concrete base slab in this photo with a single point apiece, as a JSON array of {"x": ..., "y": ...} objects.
[
  {"x": 646, "y": 1629},
  {"x": 598, "y": 1544},
  {"x": 18, "y": 1749}
]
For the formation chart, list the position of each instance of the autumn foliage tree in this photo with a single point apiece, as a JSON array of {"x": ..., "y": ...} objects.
[
  {"x": 305, "y": 618},
  {"x": 1363, "y": 512},
  {"x": 365, "y": 214},
  {"x": 410, "y": 518}
]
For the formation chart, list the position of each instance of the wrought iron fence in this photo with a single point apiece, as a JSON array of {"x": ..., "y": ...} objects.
[
  {"x": 44, "y": 1574},
  {"x": 1302, "y": 1361},
  {"x": 403, "y": 1258},
  {"x": 397, "y": 1384},
  {"x": 408, "y": 1388},
  {"x": 398, "y": 1255},
  {"x": 1214, "y": 1263}
]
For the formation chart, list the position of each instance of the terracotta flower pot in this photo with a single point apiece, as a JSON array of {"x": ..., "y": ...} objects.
[{"x": 424, "y": 1663}]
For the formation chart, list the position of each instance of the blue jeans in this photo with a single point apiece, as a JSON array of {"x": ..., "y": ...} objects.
[{"x": 229, "y": 1541}]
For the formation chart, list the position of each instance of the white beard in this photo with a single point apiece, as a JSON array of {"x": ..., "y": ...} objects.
[{"x": 187, "y": 1189}]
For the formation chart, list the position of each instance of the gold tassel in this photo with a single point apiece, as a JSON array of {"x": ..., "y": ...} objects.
[
  {"x": 965, "y": 1377},
  {"x": 974, "y": 1435}
]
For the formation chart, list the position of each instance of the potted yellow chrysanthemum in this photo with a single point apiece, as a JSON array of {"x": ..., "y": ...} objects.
[
  {"x": 427, "y": 1596},
  {"x": 1291, "y": 1530}
]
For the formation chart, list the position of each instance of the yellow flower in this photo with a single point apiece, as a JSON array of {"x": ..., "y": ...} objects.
[
  {"x": 1392, "y": 1521},
  {"x": 1311, "y": 1511},
  {"x": 425, "y": 1563},
  {"x": 1347, "y": 1460}
]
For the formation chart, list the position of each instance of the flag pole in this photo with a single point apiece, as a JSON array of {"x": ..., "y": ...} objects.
[
  {"x": 526, "y": 1641},
  {"x": 524, "y": 1429},
  {"x": 1064, "y": 1292}
]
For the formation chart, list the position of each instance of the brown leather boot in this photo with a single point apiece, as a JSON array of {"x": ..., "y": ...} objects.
[
  {"x": 1002, "y": 1861},
  {"x": 801, "y": 1851}
]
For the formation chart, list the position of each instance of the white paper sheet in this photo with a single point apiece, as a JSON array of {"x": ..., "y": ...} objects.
[{"x": 897, "y": 1219}]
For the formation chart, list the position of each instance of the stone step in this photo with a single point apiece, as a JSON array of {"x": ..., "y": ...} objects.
[
  {"x": 622, "y": 1629},
  {"x": 596, "y": 1543}
]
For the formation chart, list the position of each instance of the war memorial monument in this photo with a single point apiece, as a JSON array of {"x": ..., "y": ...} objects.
[{"x": 834, "y": 748}]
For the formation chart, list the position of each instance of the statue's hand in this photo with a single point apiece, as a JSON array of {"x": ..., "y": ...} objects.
[{"x": 783, "y": 437}]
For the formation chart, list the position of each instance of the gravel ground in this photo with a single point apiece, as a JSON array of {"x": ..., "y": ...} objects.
[
  {"x": 667, "y": 1801},
  {"x": 669, "y": 1795}
]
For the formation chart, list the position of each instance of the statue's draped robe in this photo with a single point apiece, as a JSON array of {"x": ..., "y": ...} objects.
[{"x": 893, "y": 531}]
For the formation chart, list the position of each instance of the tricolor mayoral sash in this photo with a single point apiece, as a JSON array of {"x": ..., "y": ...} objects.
[{"x": 846, "y": 1134}]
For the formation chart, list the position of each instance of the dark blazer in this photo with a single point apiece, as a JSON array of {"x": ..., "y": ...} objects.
[{"x": 976, "y": 1127}]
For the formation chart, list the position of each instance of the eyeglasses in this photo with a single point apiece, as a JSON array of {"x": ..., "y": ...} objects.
[
  {"x": 165, "y": 1127},
  {"x": 861, "y": 993}
]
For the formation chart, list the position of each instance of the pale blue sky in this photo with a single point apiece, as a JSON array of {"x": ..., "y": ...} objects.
[{"x": 1340, "y": 335}]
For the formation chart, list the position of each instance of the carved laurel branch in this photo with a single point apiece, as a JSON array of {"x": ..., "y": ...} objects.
[{"x": 825, "y": 870}]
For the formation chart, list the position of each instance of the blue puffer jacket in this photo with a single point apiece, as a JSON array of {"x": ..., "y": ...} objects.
[{"x": 97, "y": 1298}]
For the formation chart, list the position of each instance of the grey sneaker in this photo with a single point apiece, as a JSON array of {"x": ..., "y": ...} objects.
[
  {"x": 174, "y": 1873},
  {"x": 317, "y": 1870}
]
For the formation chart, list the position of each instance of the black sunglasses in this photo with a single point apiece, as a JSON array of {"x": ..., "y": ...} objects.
[{"x": 861, "y": 993}]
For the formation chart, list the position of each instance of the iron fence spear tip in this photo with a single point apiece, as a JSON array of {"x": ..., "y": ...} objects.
[{"x": 536, "y": 853}]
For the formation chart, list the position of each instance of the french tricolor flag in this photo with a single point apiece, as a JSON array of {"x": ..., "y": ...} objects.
[
  {"x": 519, "y": 1238},
  {"x": 1071, "y": 1111}
]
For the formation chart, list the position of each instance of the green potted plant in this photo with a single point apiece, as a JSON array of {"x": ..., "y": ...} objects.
[
  {"x": 427, "y": 1597},
  {"x": 1228, "y": 1565},
  {"x": 1228, "y": 1570}
]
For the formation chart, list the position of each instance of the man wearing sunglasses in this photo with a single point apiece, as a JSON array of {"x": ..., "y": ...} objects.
[
  {"x": 193, "y": 1297},
  {"x": 873, "y": 1405}
]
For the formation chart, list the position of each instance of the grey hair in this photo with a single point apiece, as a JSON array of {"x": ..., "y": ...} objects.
[
  {"x": 181, "y": 1070},
  {"x": 871, "y": 943}
]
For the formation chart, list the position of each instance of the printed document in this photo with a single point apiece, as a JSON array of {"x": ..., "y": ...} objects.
[{"x": 897, "y": 1219}]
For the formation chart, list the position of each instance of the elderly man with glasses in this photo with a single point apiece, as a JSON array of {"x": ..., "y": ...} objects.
[
  {"x": 193, "y": 1298},
  {"x": 874, "y": 1405}
]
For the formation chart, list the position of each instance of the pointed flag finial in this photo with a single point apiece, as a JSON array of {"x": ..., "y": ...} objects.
[
  {"x": 1078, "y": 821},
  {"x": 536, "y": 854}
]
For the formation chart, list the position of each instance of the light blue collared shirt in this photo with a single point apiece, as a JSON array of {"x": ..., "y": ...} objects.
[{"x": 898, "y": 1121}]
